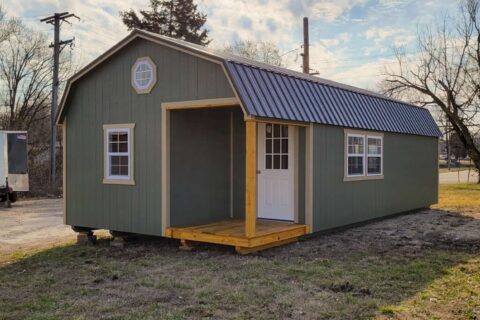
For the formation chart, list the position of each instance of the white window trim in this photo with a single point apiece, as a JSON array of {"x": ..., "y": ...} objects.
[
  {"x": 146, "y": 89},
  {"x": 107, "y": 178},
  {"x": 362, "y": 155},
  {"x": 365, "y": 155}
]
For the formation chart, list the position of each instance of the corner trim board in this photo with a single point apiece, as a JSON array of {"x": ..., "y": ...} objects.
[
  {"x": 296, "y": 144},
  {"x": 64, "y": 169},
  {"x": 309, "y": 178}
]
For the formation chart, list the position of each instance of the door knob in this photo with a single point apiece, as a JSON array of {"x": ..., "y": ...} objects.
[{"x": 258, "y": 171}]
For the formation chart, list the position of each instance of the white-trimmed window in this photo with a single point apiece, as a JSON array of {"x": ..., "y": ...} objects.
[
  {"x": 118, "y": 141},
  {"x": 363, "y": 155},
  {"x": 374, "y": 155},
  {"x": 356, "y": 155},
  {"x": 144, "y": 75}
]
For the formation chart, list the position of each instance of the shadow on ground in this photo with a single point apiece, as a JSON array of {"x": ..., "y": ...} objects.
[{"x": 350, "y": 274}]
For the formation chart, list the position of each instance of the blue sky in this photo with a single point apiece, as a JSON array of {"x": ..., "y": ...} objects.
[{"x": 351, "y": 40}]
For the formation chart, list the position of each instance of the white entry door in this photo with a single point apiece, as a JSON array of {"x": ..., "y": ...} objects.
[{"x": 276, "y": 171}]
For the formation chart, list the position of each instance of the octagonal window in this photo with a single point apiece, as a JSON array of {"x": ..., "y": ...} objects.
[{"x": 144, "y": 75}]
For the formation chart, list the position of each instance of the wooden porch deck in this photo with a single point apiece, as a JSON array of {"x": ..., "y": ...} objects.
[{"x": 232, "y": 232}]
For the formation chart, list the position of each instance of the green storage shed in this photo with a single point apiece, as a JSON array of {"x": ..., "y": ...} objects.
[{"x": 166, "y": 138}]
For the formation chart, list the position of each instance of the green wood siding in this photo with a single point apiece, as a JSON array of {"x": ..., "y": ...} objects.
[
  {"x": 200, "y": 164},
  {"x": 411, "y": 179},
  {"x": 105, "y": 96}
]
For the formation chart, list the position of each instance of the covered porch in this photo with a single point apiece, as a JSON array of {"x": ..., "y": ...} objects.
[{"x": 217, "y": 202}]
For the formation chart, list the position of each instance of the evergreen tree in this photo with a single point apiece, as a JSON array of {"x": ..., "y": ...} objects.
[{"x": 174, "y": 18}]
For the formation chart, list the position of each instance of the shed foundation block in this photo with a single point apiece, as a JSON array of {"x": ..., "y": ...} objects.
[
  {"x": 86, "y": 238},
  {"x": 186, "y": 245}
]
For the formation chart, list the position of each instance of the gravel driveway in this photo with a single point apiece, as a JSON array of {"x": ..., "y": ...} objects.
[{"x": 32, "y": 223}]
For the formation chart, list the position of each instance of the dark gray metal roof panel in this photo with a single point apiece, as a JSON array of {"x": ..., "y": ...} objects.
[{"x": 271, "y": 93}]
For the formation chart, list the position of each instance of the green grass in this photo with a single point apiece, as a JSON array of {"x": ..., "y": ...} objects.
[
  {"x": 457, "y": 295},
  {"x": 459, "y": 196},
  {"x": 156, "y": 280}
]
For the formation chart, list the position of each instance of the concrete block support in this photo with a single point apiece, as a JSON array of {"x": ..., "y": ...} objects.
[{"x": 86, "y": 238}]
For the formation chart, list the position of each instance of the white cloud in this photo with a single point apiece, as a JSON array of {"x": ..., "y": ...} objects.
[
  {"x": 366, "y": 75},
  {"x": 341, "y": 39},
  {"x": 332, "y": 10},
  {"x": 277, "y": 21},
  {"x": 378, "y": 34}
]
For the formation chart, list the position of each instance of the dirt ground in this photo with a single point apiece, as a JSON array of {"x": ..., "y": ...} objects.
[
  {"x": 32, "y": 224},
  {"x": 393, "y": 268}
]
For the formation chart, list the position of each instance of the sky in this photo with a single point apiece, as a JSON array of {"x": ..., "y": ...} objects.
[{"x": 351, "y": 41}]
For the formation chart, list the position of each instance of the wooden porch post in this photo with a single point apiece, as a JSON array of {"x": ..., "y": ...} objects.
[{"x": 251, "y": 178}]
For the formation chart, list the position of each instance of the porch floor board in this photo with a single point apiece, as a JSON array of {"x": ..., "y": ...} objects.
[{"x": 232, "y": 232}]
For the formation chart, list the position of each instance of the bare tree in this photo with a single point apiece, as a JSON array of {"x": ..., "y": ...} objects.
[
  {"x": 7, "y": 26},
  {"x": 261, "y": 51},
  {"x": 446, "y": 73},
  {"x": 458, "y": 150},
  {"x": 25, "y": 73},
  {"x": 26, "y": 78}
]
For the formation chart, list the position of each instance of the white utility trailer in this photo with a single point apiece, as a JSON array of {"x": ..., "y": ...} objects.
[{"x": 13, "y": 164}]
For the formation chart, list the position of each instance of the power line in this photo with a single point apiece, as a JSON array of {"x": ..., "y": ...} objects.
[{"x": 296, "y": 49}]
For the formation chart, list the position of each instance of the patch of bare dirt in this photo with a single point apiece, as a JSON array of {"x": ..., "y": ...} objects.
[{"x": 409, "y": 233}]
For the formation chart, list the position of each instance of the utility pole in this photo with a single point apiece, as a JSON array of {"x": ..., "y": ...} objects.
[
  {"x": 57, "y": 46},
  {"x": 306, "y": 53}
]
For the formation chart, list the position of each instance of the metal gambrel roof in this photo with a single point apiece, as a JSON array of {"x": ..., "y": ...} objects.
[{"x": 271, "y": 94}]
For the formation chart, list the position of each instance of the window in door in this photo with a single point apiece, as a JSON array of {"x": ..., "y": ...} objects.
[{"x": 276, "y": 146}]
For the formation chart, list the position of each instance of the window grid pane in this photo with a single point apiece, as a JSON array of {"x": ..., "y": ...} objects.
[
  {"x": 143, "y": 75},
  {"x": 374, "y": 146},
  {"x": 118, "y": 153},
  {"x": 374, "y": 165},
  {"x": 276, "y": 146},
  {"x": 355, "y": 145},
  {"x": 355, "y": 165}
]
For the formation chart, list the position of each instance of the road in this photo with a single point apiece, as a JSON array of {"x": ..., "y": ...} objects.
[
  {"x": 460, "y": 176},
  {"x": 32, "y": 223}
]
